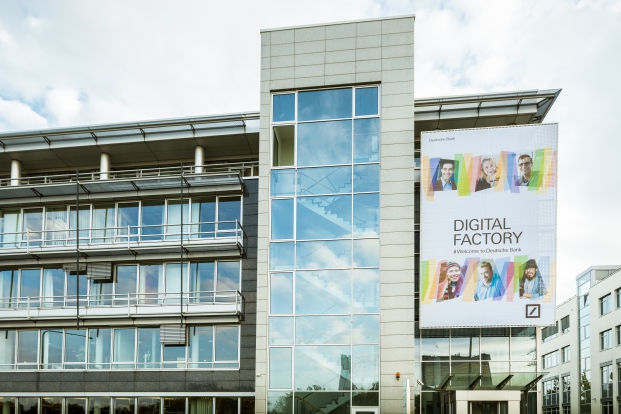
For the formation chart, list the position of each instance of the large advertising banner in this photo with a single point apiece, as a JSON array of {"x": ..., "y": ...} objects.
[{"x": 488, "y": 227}]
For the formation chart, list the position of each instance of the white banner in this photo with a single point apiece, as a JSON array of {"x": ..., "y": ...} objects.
[{"x": 488, "y": 227}]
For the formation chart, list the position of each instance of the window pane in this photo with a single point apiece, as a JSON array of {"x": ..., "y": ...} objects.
[
  {"x": 281, "y": 293},
  {"x": 75, "y": 349},
  {"x": 366, "y": 290},
  {"x": 280, "y": 368},
  {"x": 326, "y": 217},
  {"x": 27, "y": 349},
  {"x": 229, "y": 211},
  {"x": 226, "y": 405},
  {"x": 282, "y": 219},
  {"x": 204, "y": 212},
  {"x": 103, "y": 223},
  {"x": 227, "y": 343},
  {"x": 148, "y": 405},
  {"x": 100, "y": 292},
  {"x": 495, "y": 343},
  {"x": 280, "y": 330},
  {"x": 51, "y": 349},
  {"x": 51, "y": 405},
  {"x": 324, "y": 143},
  {"x": 523, "y": 344},
  {"x": 150, "y": 283},
  {"x": 72, "y": 287},
  {"x": 53, "y": 287},
  {"x": 126, "y": 281},
  {"x": 174, "y": 405},
  {"x": 8, "y": 288},
  {"x": 307, "y": 400},
  {"x": 324, "y": 104},
  {"x": 152, "y": 220},
  {"x": 279, "y": 402},
  {"x": 366, "y": 101},
  {"x": 322, "y": 367},
  {"x": 323, "y": 292},
  {"x": 200, "y": 347},
  {"x": 365, "y": 367},
  {"x": 284, "y": 107},
  {"x": 202, "y": 281},
  {"x": 325, "y": 180},
  {"x": 124, "y": 405},
  {"x": 323, "y": 254},
  {"x": 85, "y": 222},
  {"x": 434, "y": 344},
  {"x": 75, "y": 405},
  {"x": 200, "y": 405},
  {"x": 465, "y": 344},
  {"x": 30, "y": 285},
  {"x": 281, "y": 256},
  {"x": 366, "y": 215},
  {"x": 174, "y": 279},
  {"x": 98, "y": 405},
  {"x": 282, "y": 183},
  {"x": 365, "y": 329},
  {"x": 149, "y": 348},
  {"x": 56, "y": 225},
  {"x": 7, "y": 349},
  {"x": 99, "y": 347},
  {"x": 174, "y": 356},
  {"x": 228, "y": 276},
  {"x": 128, "y": 220},
  {"x": 366, "y": 177},
  {"x": 124, "y": 347},
  {"x": 33, "y": 227},
  {"x": 28, "y": 405},
  {"x": 173, "y": 219},
  {"x": 8, "y": 405},
  {"x": 323, "y": 330},
  {"x": 9, "y": 226},
  {"x": 366, "y": 140},
  {"x": 366, "y": 253}
]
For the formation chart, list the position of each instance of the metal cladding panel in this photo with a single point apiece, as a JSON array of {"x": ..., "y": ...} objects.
[
  {"x": 205, "y": 180},
  {"x": 109, "y": 186},
  {"x": 157, "y": 183},
  {"x": 55, "y": 190},
  {"x": 99, "y": 271},
  {"x": 16, "y": 192},
  {"x": 172, "y": 334}
]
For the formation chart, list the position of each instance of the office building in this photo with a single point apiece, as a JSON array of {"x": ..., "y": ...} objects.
[{"x": 251, "y": 262}]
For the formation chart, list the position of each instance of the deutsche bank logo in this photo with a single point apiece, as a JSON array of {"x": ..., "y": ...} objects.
[{"x": 533, "y": 311}]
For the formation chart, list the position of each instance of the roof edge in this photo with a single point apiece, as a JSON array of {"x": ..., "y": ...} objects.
[{"x": 276, "y": 29}]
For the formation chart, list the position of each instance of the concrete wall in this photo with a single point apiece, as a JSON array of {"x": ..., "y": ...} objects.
[{"x": 376, "y": 51}]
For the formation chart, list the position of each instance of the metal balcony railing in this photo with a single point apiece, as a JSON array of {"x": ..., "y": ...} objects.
[
  {"x": 125, "y": 236},
  {"x": 123, "y": 365},
  {"x": 245, "y": 169}
]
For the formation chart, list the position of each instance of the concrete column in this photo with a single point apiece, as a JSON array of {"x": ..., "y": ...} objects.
[
  {"x": 16, "y": 172},
  {"x": 199, "y": 159},
  {"x": 104, "y": 166}
]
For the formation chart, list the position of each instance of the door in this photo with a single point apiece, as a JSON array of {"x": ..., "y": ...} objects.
[{"x": 488, "y": 407}]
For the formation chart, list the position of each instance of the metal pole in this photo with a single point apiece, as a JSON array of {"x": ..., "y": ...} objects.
[
  {"x": 77, "y": 247},
  {"x": 181, "y": 249}
]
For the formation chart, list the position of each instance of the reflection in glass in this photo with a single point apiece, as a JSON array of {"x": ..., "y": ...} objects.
[
  {"x": 365, "y": 290},
  {"x": 99, "y": 347},
  {"x": 152, "y": 220},
  {"x": 323, "y": 254},
  {"x": 8, "y": 288},
  {"x": 280, "y": 368},
  {"x": 366, "y": 215},
  {"x": 8, "y": 405},
  {"x": 28, "y": 405},
  {"x": 324, "y": 104},
  {"x": 30, "y": 285},
  {"x": 202, "y": 280},
  {"x": 322, "y": 330},
  {"x": 72, "y": 280},
  {"x": 523, "y": 344},
  {"x": 322, "y": 367},
  {"x": 174, "y": 356},
  {"x": 98, "y": 405},
  {"x": 173, "y": 219},
  {"x": 282, "y": 256},
  {"x": 465, "y": 344},
  {"x": 229, "y": 211},
  {"x": 149, "y": 348},
  {"x": 281, "y": 293},
  {"x": 282, "y": 183},
  {"x": 126, "y": 277},
  {"x": 366, "y": 253},
  {"x": 282, "y": 219},
  {"x": 103, "y": 223},
  {"x": 150, "y": 283},
  {"x": 279, "y": 402},
  {"x": 148, "y": 405},
  {"x": 434, "y": 344},
  {"x": 200, "y": 405},
  {"x": 9, "y": 226},
  {"x": 75, "y": 349},
  {"x": 227, "y": 343},
  {"x": 365, "y": 329},
  {"x": 124, "y": 405},
  {"x": 75, "y": 405},
  {"x": 200, "y": 347},
  {"x": 228, "y": 276},
  {"x": 366, "y": 399},
  {"x": 326, "y": 217},
  {"x": 175, "y": 278},
  {"x": 284, "y": 107},
  {"x": 322, "y": 292},
  {"x": 128, "y": 221},
  {"x": 56, "y": 225},
  {"x": 365, "y": 367},
  {"x": 100, "y": 292},
  {"x": 366, "y": 140},
  {"x": 27, "y": 349},
  {"x": 280, "y": 330},
  {"x": 366, "y": 101},
  {"x": 466, "y": 368},
  {"x": 51, "y": 405},
  {"x": 227, "y": 405},
  {"x": 495, "y": 344},
  {"x": 33, "y": 227},
  {"x": 433, "y": 372},
  {"x": 204, "y": 212},
  {"x": 366, "y": 178},
  {"x": 7, "y": 349},
  {"x": 85, "y": 223},
  {"x": 53, "y": 287},
  {"x": 174, "y": 405},
  {"x": 324, "y": 143},
  {"x": 325, "y": 180},
  {"x": 123, "y": 354}
]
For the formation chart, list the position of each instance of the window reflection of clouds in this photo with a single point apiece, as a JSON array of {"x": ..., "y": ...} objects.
[
  {"x": 324, "y": 217},
  {"x": 366, "y": 101},
  {"x": 324, "y": 143},
  {"x": 282, "y": 219},
  {"x": 366, "y": 215},
  {"x": 495, "y": 344},
  {"x": 322, "y": 330},
  {"x": 281, "y": 293},
  {"x": 366, "y": 140},
  {"x": 280, "y": 330},
  {"x": 366, "y": 253},
  {"x": 280, "y": 368},
  {"x": 366, "y": 178},
  {"x": 281, "y": 256},
  {"x": 365, "y": 290},
  {"x": 322, "y": 292},
  {"x": 323, "y": 254},
  {"x": 365, "y": 329},
  {"x": 324, "y": 104},
  {"x": 282, "y": 183},
  {"x": 365, "y": 367},
  {"x": 523, "y": 343},
  {"x": 284, "y": 107},
  {"x": 322, "y": 367},
  {"x": 325, "y": 180}
]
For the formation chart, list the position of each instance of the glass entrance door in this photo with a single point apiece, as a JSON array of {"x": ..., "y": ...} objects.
[{"x": 489, "y": 407}]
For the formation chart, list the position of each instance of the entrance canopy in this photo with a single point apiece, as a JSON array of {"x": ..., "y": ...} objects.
[{"x": 518, "y": 381}]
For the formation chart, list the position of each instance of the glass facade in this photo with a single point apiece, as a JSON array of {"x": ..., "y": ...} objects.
[
  {"x": 584, "y": 284},
  {"x": 323, "y": 332}
]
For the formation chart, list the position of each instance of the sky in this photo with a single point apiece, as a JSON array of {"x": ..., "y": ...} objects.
[{"x": 66, "y": 63}]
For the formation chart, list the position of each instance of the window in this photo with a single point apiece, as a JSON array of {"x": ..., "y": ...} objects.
[
  {"x": 618, "y": 329},
  {"x": 605, "y": 339},
  {"x": 566, "y": 384},
  {"x": 606, "y": 407},
  {"x": 606, "y": 381},
  {"x": 550, "y": 360},
  {"x": 549, "y": 332},
  {"x": 550, "y": 392},
  {"x": 565, "y": 355},
  {"x": 605, "y": 304},
  {"x": 618, "y": 295},
  {"x": 565, "y": 324}
]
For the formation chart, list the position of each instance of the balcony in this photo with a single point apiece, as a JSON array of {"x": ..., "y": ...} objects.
[
  {"x": 129, "y": 305},
  {"x": 227, "y": 238},
  {"x": 94, "y": 185}
]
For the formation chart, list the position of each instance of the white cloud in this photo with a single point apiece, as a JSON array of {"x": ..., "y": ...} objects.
[
  {"x": 64, "y": 105},
  {"x": 15, "y": 115}
]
